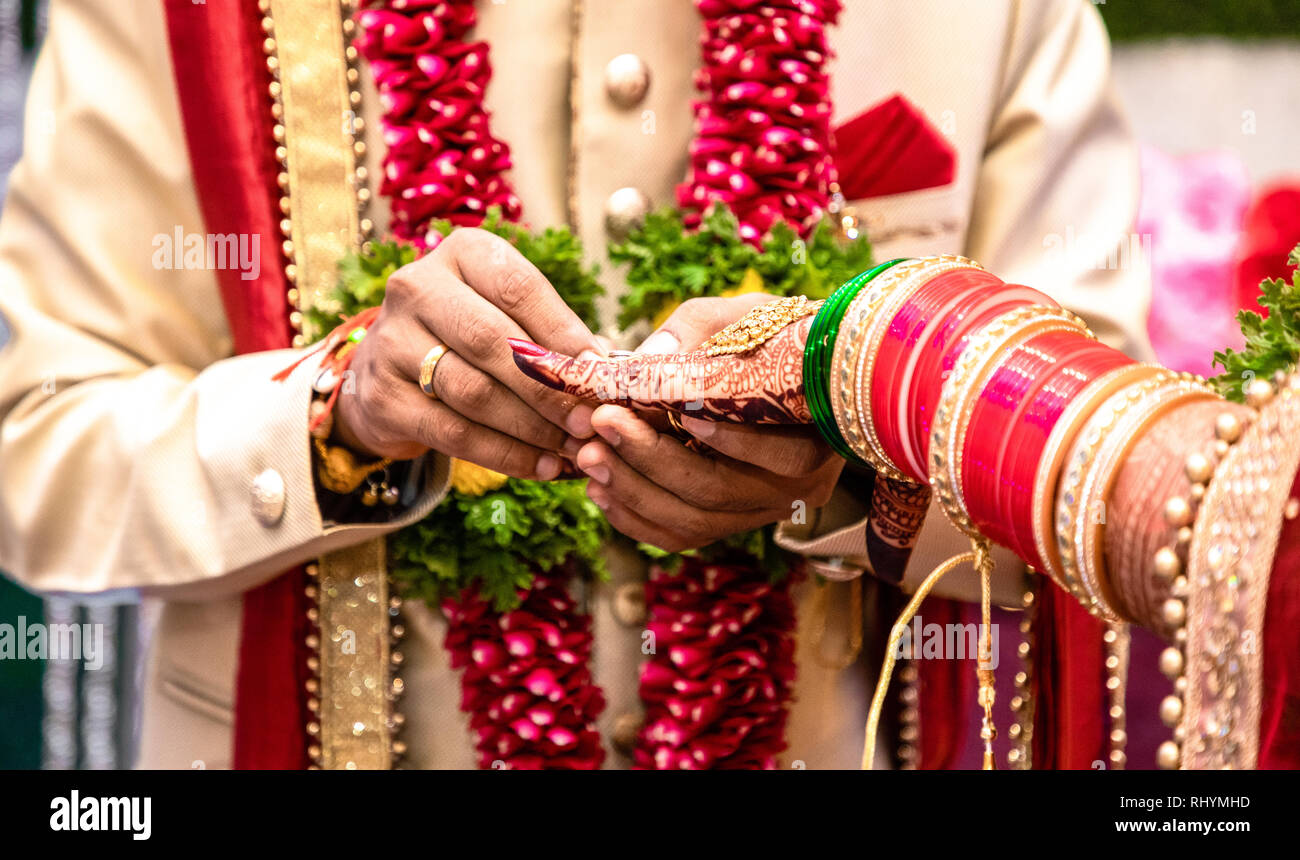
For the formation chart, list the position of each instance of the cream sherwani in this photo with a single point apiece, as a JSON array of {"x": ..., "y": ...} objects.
[{"x": 131, "y": 438}]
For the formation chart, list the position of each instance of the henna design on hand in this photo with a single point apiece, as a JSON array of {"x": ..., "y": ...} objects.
[
  {"x": 761, "y": 386},
  {"x": 897, "y": 512}
]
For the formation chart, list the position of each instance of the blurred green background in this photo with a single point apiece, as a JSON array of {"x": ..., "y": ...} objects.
[{"x": 1131, "y": 20}]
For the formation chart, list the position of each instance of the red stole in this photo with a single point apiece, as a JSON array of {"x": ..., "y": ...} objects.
[{"x": 222, "y": 83}]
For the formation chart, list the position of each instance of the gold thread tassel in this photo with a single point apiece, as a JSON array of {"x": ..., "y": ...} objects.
[
  {"x": 979, "y": 558},
  {"x": 988, "y": 692}
]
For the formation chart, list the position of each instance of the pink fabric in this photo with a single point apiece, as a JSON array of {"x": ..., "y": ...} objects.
[{"x": 1192, "y": 210}]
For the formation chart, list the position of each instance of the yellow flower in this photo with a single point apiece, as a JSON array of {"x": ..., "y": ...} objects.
[
  {"x": 750, "y": 282},
  {"x": 474, "y": 480}
]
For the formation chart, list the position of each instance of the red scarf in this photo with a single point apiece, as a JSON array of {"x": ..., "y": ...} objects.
[{"x": 222, "y": 82}]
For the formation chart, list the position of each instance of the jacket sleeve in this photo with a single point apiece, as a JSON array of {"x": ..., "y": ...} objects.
[
  {"x": 131, "y": 444},
  {"x": 1054, "y": 206}
]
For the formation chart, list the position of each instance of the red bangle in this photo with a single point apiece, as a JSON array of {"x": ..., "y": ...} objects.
[
  {"x": 1029, "y": 435},
  {"x": 1010, "y": 384},
  {"x": 1075, "y": 362},
  {"x": 934, "y": 367},
  {"x": 905, "y": 336}
]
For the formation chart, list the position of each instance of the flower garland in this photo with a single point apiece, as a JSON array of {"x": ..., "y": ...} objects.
[
  {"x": 526, "y": 680},
  {"x": 442, "y": 160},
  {"x": 718, "y": 684},
  {"x": 763, "y": 143}
]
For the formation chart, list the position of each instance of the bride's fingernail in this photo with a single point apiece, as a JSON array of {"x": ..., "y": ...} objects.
[
  {"x": 659, "y": 342},
  {"x": 610, "y": 435},
  {"x": 572, "y": 446},
  {"x": 525, "y": 347},
  {"x": 699, "y": 428},
  {"x": 597, "y": 494},
  {"x": 548, "y": 467}
]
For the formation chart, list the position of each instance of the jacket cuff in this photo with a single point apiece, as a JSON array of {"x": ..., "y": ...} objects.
[{"x": 252, "y": 435}]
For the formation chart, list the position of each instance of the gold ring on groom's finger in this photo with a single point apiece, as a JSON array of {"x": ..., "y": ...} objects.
[
  {"x": 684, "y": 435},
  {"x": 427, "y": 367}
]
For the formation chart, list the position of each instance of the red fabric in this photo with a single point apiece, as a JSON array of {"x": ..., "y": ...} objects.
[
  {"x": 1279, "y": 721},
  {"x": 1070, "y": 708},
  {"x": 1271, "y": 230},
  {"x": 947, "y": 695},
  {"x": 222, "y": 82},
  {"x": 892, "y": 148}
]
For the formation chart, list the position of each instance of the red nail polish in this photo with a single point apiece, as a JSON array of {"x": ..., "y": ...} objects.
[{"x": 525, "y": 347}]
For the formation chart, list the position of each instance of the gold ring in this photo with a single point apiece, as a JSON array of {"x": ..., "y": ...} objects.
[
  {"x": 427, "y": 366},
  {"x": 683, "y": 435}
]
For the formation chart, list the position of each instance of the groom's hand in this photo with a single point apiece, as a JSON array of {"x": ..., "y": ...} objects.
[
  {"x": 654, "y": 489},
  {"x": 469, "y": 294}
]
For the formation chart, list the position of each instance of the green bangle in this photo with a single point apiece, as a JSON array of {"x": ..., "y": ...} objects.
[
  {"x": 817, "y": 359},
  {"x": 815, "y": 377}
]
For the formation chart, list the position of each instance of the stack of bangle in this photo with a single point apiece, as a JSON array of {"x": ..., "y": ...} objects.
[
  {"x": 933, "y": 370},
  {"x": 816, "y": 359}
]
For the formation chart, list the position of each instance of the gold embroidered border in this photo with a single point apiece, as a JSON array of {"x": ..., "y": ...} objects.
[
  {"x": 316, "y": 135},
  {"x": 318, "y": 149},
  {"x": 1233, "y": 544}
]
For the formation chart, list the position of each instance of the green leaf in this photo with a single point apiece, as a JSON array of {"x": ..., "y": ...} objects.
[{"x": 1272, "y": 342}]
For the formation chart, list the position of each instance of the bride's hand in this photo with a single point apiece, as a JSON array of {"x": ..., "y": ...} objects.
[
  {"x": 656, "y": 489},
  {"x": 762, "y": 386}
]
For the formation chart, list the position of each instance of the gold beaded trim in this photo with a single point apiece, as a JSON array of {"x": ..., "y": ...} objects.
[
  {"x": 760, "y": 325},
  {"x": 1021, "y": 733},
  {"x": 1117, "y": 640},
  {"x": 972, "y": 370},
  {"x": 294, "y": 18},
  {"x": 1062, "y": 435},
  {"x": 1168, "y": 566},
  {"x": 909, "y": 716},
  {"x": 1230, "y": 563},
  {"x": 317, "y": 135},
  {"x": 1091, "y": 470}
]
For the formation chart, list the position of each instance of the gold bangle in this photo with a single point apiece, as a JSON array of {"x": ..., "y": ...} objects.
[
  {"x": 848, "y": 343},
  {"x": 1063, "y": 434},
  {"x": 1117, "y": 439},
  {"x": 338, "y": 469},
  {"x": 972, "y": 370},
  {"x": 1074, "y": 469},
  {"x": 872, "y": 314}
]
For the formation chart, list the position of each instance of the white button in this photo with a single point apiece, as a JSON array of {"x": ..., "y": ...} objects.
[
  {"x": 625, "y": 209},
  {"x": 268, "y": 497},
  {"x": 627, "y": 80}
]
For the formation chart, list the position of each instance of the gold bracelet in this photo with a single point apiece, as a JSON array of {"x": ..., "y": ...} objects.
[
  {"x": 1065, "y": 504},
  {"x": 1094, "y": 463},
  {"x": 970, "y": 373},
  {"x": 1065, "y": 431},
  {"x": 338, "y": 469},
  {"x": 867, "y": 318},
  {"x": 856, "y": 321}
]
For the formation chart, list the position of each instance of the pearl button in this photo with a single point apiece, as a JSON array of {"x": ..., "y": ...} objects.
[
  {"x": 627, "y": 80},
  {"x": 625, "y": 209},
  {"x": 629, "y": 604},
  {"x": 626, "y": 728},
  {"x": 267, "y": 493}
]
